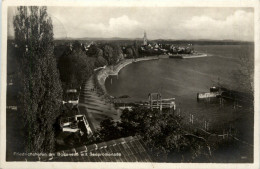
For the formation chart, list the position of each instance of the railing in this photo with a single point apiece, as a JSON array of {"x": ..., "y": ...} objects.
[{"x": 204, "y": 125}]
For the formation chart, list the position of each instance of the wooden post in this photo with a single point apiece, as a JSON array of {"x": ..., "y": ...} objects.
[
  {"x": 191, "y": 118},
  {"x": 157, "y": 102},
  {"x": 235, "y": 102},
  {"x": 221, "y": 101},
  {"x": 160, "y": 101},
  {"x": 227, "y": 134},
  {"x": 205, "y": 125},
  {"x": 198, "y": 97},
  {"x": 150, "y": 101}
]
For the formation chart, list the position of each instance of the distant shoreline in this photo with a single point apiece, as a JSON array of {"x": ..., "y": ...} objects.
[{"x": 175, "y": 41}]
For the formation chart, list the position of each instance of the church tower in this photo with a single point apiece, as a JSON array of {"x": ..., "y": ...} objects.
[{"x": 145, "y": 39}]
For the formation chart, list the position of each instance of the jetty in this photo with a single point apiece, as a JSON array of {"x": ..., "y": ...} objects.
[
  {"x": 206, "y": 95},
  {"x": 237, "y": 97},
  {"x": 155, "y": 101},
  {"x": 188, "y": 56},
  {"x": 159, "y": 103}
]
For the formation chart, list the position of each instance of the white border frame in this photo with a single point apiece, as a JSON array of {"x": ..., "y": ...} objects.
[{"x": 124, "y": 3}]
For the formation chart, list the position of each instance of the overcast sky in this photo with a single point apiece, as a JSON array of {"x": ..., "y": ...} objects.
[{"x": 159, "y": 23}]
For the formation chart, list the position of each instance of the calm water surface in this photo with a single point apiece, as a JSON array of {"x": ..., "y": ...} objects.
[{"x": 183, "y": 79}]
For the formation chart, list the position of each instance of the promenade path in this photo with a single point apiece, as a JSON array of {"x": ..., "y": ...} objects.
[{"x": 95, "y": 106}]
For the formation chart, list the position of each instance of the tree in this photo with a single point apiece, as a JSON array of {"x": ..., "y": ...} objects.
[
  {"x": 112, "y": 53},
  {"x": 75, "y": 67},
  {"x": 109, "y": 130},
  {"x": 100, "y": 61},
  {"x": 40, "y": 88},
  {"x": 97, "y": 53},
  {"x": 129, "y": 52},
  {"x": 108, "y": 54},
  {"x": 76, "y": 46},
  {"x": 135, "y": 49},
  {"x": 92, "y": 50},
  {"x": 162, "y": 133},
  {"x": 117, "y": 54}
]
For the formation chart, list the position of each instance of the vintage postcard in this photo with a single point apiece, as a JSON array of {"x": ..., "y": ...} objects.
[{"x": 117, "y": 84}]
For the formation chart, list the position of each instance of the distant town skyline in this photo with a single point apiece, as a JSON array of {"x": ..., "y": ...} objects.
[{"x": 177, "y": 23}]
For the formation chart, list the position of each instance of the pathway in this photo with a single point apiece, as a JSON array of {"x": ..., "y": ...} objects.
[{"x": 95, "y": 107}]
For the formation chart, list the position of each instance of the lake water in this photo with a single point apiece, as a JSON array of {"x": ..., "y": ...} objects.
[{"x": 183, "y": 79}]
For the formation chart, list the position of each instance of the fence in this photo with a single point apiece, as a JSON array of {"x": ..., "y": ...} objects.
[{"x": 193, "y": 122}]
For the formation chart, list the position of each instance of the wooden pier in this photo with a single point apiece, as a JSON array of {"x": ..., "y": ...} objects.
[
  {"x": 207, "y": 95},
  {"x": 159, "y": 103}
]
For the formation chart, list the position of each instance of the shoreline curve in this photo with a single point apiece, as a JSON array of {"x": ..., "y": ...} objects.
[{"x": 102, "y": 74}]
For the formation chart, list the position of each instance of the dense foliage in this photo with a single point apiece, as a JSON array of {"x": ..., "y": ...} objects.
[
  {"x": 76, "y": 64},
  {"x": 39, "y": 85},
  {"x": 75, "y": 67},
  {"x": 96, "y": 52},
  {"x": 162, "y": 132},
  {"x": 112, "y": 53}
]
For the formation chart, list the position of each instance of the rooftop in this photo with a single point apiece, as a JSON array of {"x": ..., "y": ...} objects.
[{"x": 128, "y": 149}]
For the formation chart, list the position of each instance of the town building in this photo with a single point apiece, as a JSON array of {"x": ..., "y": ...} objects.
[{"x": 77, "y": 123}]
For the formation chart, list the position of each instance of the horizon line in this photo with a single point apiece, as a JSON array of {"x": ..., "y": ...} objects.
[{"x": 124, "y": 38}]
